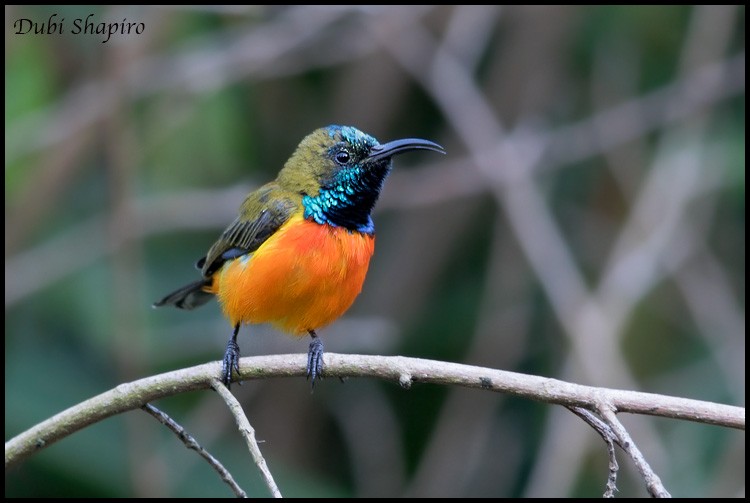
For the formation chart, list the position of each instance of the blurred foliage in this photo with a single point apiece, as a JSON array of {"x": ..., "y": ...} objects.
[{"x": 125, "y": 159}]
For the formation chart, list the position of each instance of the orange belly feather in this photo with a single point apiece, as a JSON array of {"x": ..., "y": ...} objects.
[{"x": 302, "y": 278}]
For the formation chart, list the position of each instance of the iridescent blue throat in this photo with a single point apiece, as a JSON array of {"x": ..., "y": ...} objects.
[
  {"x": 322, "y": 208},
  {"x": 349, "y": 199}
]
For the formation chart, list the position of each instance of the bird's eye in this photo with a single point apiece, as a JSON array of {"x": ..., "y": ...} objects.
[{"x": 342, "y": 157}]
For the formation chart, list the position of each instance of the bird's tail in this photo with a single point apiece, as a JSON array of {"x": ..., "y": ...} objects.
[{"x": 189, "y": 296}]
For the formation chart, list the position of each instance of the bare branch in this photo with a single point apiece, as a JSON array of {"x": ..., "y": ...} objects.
[
  {"x": 609, "y": 438},
  {"x": 248, "y": 433},
  {"x": 653, "y": 482},
  {"x": 191, "y": 443},
  {"x": 613, "y": 467},
  {"x": 403, "y": 370}
]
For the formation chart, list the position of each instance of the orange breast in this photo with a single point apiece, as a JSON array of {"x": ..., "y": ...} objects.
[{"x": 303, "y": 277}]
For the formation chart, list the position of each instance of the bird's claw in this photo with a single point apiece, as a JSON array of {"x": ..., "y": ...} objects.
[
  {"x": 231, "y": 362},
  {"x": 315, "y": 360}
]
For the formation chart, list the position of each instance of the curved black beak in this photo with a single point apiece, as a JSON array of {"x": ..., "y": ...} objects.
[{"x": 400, "y": 146}]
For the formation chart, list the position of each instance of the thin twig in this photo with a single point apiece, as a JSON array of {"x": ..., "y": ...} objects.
[
  {"x": 613, "y": 467},
  {"x": 609, "y": 438},
  {"x": 248, "y": 433},
  {"x": 653, "y": 482},
  {"x": 398, "y": 369},
  {"x": 191, "y": 443}
]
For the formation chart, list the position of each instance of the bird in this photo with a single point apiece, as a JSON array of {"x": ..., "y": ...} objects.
[{"x": 298, "y": 252}]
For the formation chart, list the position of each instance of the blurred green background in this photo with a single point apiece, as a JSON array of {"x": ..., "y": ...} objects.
[{"x": 587, "y": 224}]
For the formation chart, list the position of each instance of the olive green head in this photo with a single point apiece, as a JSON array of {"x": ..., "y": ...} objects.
[{"x": 339, "y": 172}]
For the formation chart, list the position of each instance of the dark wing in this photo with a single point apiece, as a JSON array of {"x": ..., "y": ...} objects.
[{"x": 263, "y": 213}]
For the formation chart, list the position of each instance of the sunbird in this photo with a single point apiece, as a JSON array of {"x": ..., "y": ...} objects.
[{"x": 297, "y": 254}]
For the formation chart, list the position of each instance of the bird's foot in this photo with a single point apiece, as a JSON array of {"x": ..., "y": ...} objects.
[
  {"x": 230, "y": 362},
  {"x": 315, "y": 360}
]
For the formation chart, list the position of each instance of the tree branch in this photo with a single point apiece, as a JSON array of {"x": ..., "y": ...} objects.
[
  {"x": 248, "y": 433},
  {"x": 191, "y": 443},
  {"x": 403, "y": 370},
  {"x": 609, "y": 438},
  {"x": 653, "y": 482}
]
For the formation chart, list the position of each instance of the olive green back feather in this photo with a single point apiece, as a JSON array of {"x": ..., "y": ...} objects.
[
  {"x": 262, "y": 213},
  {"x": 265, "y": 210}
]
